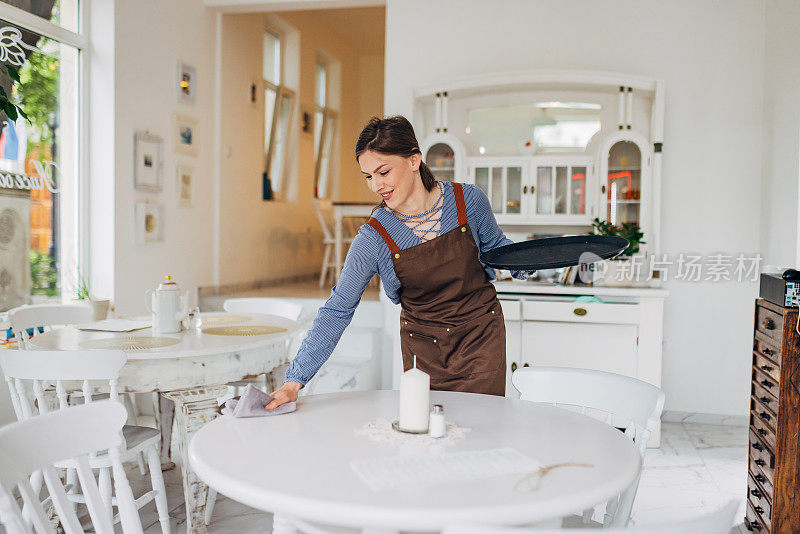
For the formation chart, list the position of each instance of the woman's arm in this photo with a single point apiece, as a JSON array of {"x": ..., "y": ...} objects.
[
  {"x": 490, "y": 236},
  {"x": 333, "y": 317}
]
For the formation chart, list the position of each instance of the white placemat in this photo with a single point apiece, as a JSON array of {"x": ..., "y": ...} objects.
[
  {"x": 114, "y": 325},
  {"x": 429, "y": 470},
  {"x": 381, "y": 430}
]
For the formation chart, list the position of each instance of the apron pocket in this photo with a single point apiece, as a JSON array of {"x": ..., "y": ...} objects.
[{"x": 427, "y": 350}]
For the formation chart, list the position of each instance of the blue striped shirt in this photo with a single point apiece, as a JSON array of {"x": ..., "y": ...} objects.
[{"x": 369, "y": 255}]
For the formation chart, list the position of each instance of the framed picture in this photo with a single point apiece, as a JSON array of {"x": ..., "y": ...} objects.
[
  {"x": 186, "y": 83},
  {"x": 147, "y": 153},
  {"x": 149, "y": 223},
  {"x": 184, "y": 186},
  {"x": 184, "y": 134}
]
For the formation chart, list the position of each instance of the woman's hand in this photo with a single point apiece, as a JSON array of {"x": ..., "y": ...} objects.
[{"x": 286, "y": 393}]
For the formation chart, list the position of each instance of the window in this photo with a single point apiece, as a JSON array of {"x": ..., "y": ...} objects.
[
  {"x": 278, "y": 107},
  {"x": 325, "y": 120},
  {"x": 40, "y": 173}
]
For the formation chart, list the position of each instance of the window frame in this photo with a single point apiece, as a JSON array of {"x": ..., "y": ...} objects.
[
  {"x": 329, "y": 116},
  {"x": 80, "y": 42},
  {"x": 282, "y": 93}
]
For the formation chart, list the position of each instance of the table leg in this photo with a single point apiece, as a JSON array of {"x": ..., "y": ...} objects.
[
  {"x": 338, "y": 238},
  {"x": 193, "y": 409},
  {"x": 165, "y": 415}
]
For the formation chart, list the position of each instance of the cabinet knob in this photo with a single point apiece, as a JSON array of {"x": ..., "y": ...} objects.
[
  {"x": 533, "y": 188},
  {"x": 765, "y": 400},
  {"x": 525, "y": 190},
  {"x": 767, "y": 383},
  {"x": 758, "y": 509},
  {"x": 526, "y": 365},
  {"x": 761, "y": 463},
  {"x": 761, "y": 432},
  {"x": 755, "y": 493},
  {"x": 758, "y": 447},
  {"x": 513, "y": 366},
  {"x": 760, "y": 478},
  {"x": 603, "y": 190},
  {"x": 765, "y": 416},
  {"x": 766, "y": 350},
  {"x": 766, "y": 368},
  {"x": 768, "y": 324},
  {"x": 580, "y": 312}
]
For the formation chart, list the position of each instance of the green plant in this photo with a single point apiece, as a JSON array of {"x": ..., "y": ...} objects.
[
  {"x": 629, "y": 231},
  {"x": 10, "y": 108},
  {"x": 44, "y": 276},
  {"x": 82, "y": 288}
]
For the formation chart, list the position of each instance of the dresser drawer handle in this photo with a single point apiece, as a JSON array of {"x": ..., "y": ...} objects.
[
  {"x": 760, "y": 478},
  {"x": 755, "y": 493},
  {"x": 758, "y": 447},
  {"x": 765, "y": 400},
  {"x": 768, "y": 324},
  {"x": 760, "y": 463},
  {"x": 580, "y": 312},
  {"x": 767, "y": 351},
  {"x": 766, "y": 368},
  {"x": 759, "y": 510},
  {"x": 767, "y": 383},
  {"x": 765, "y": 416}
]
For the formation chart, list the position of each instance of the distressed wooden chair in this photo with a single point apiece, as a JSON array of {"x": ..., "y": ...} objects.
[
  {"x": 29, "y": 447},
  {"x": 49, "y": 316},
  {"x": 324, "y": 211},
  {"x": 28, "y": 373},
  {"x": 718, "y": 522},
  {"x": 618, "y": 400}
]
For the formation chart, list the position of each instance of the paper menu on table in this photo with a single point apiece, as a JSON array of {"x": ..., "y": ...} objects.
[
  {"x": 115, "y": 325},
  {"x": 403, "y": 471}
]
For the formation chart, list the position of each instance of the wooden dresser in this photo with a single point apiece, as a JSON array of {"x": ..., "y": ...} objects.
[{"x": 773, "y": 482}]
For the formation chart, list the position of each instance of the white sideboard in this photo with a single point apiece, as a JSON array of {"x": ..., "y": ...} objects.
[{"x": 620, "y": 332}]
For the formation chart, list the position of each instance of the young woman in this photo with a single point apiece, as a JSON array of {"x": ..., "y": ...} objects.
[{"x": 424, "y": 241}]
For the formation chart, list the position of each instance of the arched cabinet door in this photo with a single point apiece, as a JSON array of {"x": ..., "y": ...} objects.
[
  {"x": 626, "y": 181},
  {"x": 445, "y": 154}
]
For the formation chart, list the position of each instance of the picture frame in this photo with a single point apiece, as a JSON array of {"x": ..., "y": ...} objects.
[
  {"x": 186, "y": 83},
  {"x": 184, "y": 186},
  {"x": 148, "y": 162},
  {"x": 184, "y": 133},
  {"x": 149, "y": 223}
]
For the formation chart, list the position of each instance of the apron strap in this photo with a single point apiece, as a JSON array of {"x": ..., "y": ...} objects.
[
  {"x": 461, "y": 208},
  {"x": 373, "y": 222}
]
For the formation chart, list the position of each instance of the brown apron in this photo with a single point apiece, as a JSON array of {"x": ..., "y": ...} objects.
[{"x": 451, "y": 318}]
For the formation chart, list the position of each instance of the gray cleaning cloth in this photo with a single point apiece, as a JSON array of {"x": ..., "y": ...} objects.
[{"x": 253, "y": 402}]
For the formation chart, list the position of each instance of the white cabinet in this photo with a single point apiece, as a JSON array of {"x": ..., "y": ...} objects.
[
  {"x": 444, "y": 154},
  {"x": 556, "y": 190}
]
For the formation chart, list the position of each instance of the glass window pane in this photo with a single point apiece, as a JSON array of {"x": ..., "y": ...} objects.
[
  {"x": 544, "y": 190},
  {"x": 441, "y": 160},
  {"x": 321, "y": 85},
  {"x": 578, "y": 190},
  {"x": 561, "y": 189},
  {"x": 270, "y": 96},
  {"x": 514, "y": 189},
  {"x": 497, "y": 190},
  {"x": 325, "y": 161},
  {"x": 39, "y": 165},
  {"x": 482, "y": 179},
  {"x": 272, "y": 58},
  {"x": 624, "y": 183},
  {"x": 279, "y": 150},
  {"x": 61, "y": 12}
]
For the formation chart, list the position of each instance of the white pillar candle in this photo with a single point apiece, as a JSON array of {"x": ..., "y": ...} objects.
[{"x": 415, "y": 388}]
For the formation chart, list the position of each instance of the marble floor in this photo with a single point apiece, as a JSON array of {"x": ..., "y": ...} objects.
[{"x": 698, "y": 468}]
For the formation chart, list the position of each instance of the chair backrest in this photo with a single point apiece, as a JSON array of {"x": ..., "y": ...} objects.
[
  {"x": 28, "y": 373},
  {"x": 717, "y": 522},
  {"x": 636, "y": 402},
  {"x": 47, "y": 315},
  {"x": 29, "y": 446},
  {"x": 324, "y": 209},
  {"x": 271, "y": 306}
]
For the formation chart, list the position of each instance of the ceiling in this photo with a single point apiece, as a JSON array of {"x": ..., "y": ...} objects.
[{"x": 363, "y": 27}]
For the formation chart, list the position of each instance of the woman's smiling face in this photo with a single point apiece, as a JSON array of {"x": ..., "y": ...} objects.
[{"x": 392, "y": 177}]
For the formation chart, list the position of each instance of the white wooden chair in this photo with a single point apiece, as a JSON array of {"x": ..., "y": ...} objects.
[
  {"x": 49, "y": 316},
  {"x": 28, "y": 447},
  {"x": 621, "y": 400},
  {"x": 324, "y": 210},
  {"x": 271, "y": 306},
  {"x": 718, "y": 522},
  {"x": 32, "y": 371}
]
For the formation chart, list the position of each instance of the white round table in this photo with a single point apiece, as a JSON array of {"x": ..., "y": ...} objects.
[
  {"x": 299, "y": 465},
  {"x": 192, "y": 373}
]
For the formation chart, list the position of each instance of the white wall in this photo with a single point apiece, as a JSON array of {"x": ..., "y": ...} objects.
[
  {"x": 711, "y": 57},
  {"x": 779, "y": 228},
  {"x": 150, "y": 38}
]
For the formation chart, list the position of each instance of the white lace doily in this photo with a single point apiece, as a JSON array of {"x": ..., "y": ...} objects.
[{"x": 381, "y": 430}]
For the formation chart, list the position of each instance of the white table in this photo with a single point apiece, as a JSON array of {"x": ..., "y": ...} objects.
[
  {"x": 342, "y": 209},
  {"x": 192, "y": 374},
  {"x": 298, "y": 465}
]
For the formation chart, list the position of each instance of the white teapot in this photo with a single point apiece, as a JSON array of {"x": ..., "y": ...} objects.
[{"x": 167, "y": 305}]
